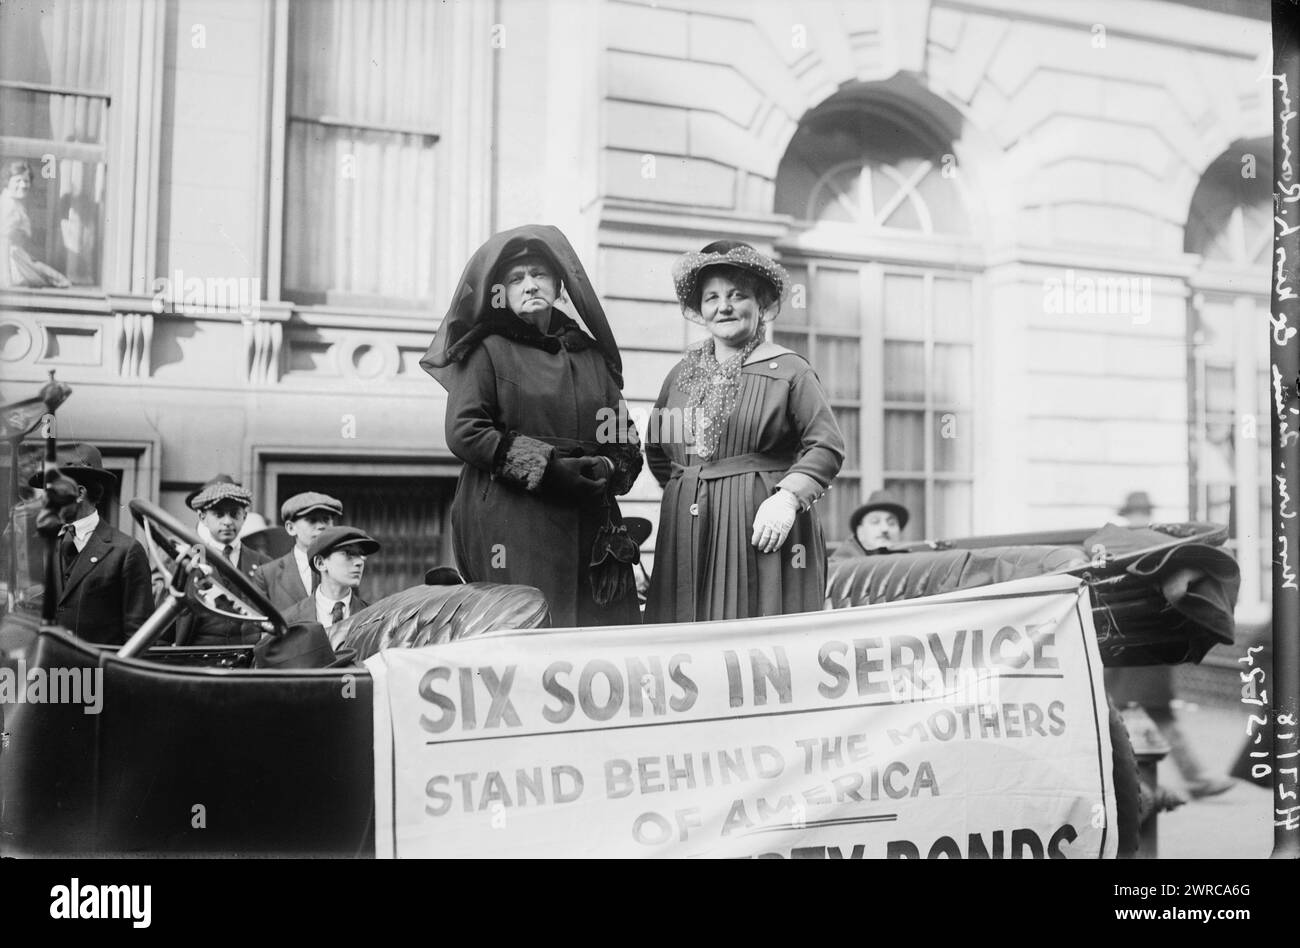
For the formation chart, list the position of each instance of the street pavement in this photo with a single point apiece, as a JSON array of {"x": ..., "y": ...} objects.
[{"x": 1233, "y": 825}]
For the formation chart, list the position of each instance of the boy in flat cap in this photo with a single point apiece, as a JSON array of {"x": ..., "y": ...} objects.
[
  {"x": 338, "y": 556},
  {"x": 222, "y": 506},
  {"x": 290, "y": 579},
  {"x": 102, "y": 575}
]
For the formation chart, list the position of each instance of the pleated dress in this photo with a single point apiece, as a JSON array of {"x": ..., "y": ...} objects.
[{"x": 782, "y": 433}]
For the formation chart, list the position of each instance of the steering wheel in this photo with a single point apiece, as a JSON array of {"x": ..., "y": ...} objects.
[{"x": 208, "y": 579}]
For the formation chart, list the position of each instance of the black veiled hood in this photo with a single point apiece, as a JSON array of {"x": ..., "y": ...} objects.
[{"x": 471, "y": 316}]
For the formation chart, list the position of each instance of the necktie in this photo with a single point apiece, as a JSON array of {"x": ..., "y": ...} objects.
[
  {"x": 228, "y": 552},
  {"x": 67, "y": 550},
  {"x": 336, "y": 614}
]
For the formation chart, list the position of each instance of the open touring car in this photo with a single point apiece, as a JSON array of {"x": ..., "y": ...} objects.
[{"x": 242, "y": 750}]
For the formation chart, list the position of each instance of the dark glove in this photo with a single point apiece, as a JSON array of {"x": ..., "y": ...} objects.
[{"x": 575, "y": 480}]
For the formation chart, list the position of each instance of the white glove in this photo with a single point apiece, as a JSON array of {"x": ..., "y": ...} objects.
[{"x": 773, "y": 521}]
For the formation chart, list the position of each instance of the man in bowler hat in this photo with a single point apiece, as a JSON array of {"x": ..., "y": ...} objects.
[
  {"x": 290, "y": 579},
  {"x": 878, "y": 524},
  {"x": 102, "y": 581},
  {"x": 338, "y": 556},
  {"x": 1137, "y": 509},
  {"x": 222, "y": 506}
]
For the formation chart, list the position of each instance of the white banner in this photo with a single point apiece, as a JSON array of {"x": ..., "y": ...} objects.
[{"x": 967, "y": 725}]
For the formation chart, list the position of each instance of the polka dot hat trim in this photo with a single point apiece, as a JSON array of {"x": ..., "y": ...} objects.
[{"x": 686, "y": 271}]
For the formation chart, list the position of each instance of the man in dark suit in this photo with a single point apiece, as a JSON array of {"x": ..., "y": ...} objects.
[
  {"x": 222, "y": 506},
  {"x": 102, "y": 575},
  {"x": 338, "y": 556},
  {"x": 290, "y": 579}
]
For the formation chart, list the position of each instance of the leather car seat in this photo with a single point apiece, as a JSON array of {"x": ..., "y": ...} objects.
[{"x": 433, "y": 615}]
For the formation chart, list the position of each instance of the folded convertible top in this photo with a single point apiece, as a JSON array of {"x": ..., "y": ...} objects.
[{"x": 1161, "y": 596}]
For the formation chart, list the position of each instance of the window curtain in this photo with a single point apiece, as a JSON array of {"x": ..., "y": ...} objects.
[
  {"x": 74, "y": 38},
  {"x": 359, "y": 223},
  {"x": 77, "y": 43},
  {"x": 66, "y": 45}
]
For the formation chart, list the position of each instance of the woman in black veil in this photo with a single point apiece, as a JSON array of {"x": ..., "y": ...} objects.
[{"x": 534, "y": 410}]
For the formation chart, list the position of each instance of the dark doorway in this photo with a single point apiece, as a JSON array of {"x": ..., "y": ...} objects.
[{"x": 409, "y": 516}]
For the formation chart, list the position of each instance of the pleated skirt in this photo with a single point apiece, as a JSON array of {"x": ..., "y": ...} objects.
[{"x": 706, "y": 567}]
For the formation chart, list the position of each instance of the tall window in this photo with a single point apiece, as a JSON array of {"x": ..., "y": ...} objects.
[
  {"x": 1230, "y": 227},
  {"x": 54, "y": 100},
  {"x": 891, "y": 335},
  {"x": 362, "y": 134}
]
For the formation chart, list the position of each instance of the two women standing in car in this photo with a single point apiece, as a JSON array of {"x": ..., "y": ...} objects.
[{"x": 742, "y": 439}]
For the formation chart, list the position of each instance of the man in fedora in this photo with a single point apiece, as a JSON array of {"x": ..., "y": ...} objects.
[
  {"x": 338, "y": 556},
  {"x": 102, "y": 581},
  {"x": 1137, "y": 509},
  {"x": 290, "y": 579},
  {"x": 222, "y": 506},
  {"x": 878, "y": 524}
]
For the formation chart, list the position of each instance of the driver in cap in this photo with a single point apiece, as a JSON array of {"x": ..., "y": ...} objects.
[{"x": 222, "y": 505}]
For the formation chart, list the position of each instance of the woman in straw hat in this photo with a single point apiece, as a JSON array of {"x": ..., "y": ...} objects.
[
  {"x": 743, "y": 442},
  {"x": 535, "y": 412}
]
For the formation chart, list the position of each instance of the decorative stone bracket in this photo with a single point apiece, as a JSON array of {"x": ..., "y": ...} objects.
[
  {"x": 133, "y": 343},
  {"x": 262, "y": 342}
]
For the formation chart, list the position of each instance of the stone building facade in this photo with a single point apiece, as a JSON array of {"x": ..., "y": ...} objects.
[{"x": 1030, "y": 241}]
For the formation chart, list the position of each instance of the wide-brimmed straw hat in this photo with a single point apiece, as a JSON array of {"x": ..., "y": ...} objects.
[
  {"x": 222, "y": 487},
  {"x": 733, "y": 253}
]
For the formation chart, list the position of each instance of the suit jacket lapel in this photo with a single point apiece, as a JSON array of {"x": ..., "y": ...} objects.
[
  {"x": 97, "y": 546},
  {"x": 290, "y": 578},
  {"x": 245, "y": 564}
]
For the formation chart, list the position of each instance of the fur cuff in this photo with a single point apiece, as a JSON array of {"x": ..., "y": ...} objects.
[{"x": 523, "y": 461}]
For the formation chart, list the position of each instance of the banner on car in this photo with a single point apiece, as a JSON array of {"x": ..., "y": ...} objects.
[{"x": 969, "y": 725}]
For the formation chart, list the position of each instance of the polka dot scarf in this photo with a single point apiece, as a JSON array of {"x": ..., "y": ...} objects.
[{"x": 710, "y": 391}]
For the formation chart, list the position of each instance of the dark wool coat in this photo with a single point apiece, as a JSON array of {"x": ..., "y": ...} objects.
[
  {"x": 782, "y": 433},
  {"x": 509, "y": 406},
  {"x": 109, "y": 592},
  {"x": 518, "y": 398}
]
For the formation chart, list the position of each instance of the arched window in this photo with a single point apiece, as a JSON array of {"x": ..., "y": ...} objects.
[
  {"x": 1230, "y": 227},
  {"x": 863, "y": 170},
  {"x": 880, "y": 309}
]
